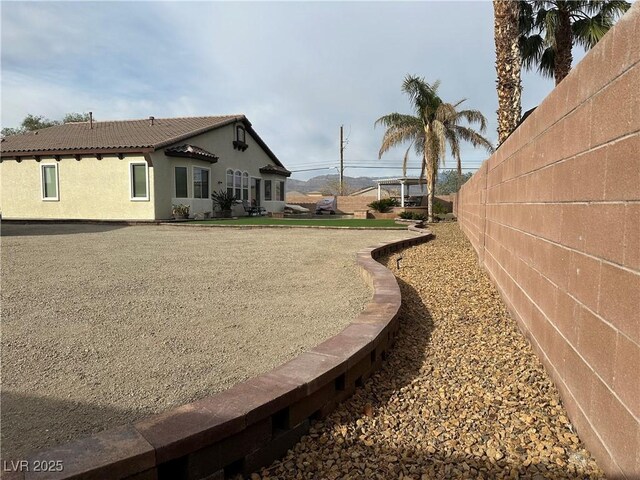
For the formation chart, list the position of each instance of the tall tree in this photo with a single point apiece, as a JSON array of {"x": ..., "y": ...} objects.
[
  {"x": 433, "y": 125},
  {"x": 37, "y": 122},
  {"x": 549, "y": 29},
  {"x": 506, "y": 17},
  {"x": 76, "y": 117}
]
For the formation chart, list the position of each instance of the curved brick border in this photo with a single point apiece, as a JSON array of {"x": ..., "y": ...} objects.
[{"x": 254, "y": 422}]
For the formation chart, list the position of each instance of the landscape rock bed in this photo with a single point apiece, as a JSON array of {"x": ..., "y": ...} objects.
[{"x": 462, "y": 395}]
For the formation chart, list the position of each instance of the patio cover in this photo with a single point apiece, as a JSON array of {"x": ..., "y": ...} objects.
[{"x": 402, "y": 181}]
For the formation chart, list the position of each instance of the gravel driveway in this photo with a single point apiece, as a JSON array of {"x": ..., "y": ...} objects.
[{"x": 103, "y": 325}]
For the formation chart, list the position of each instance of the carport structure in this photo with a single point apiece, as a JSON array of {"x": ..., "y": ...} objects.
[{"x": 403, "y": 182}]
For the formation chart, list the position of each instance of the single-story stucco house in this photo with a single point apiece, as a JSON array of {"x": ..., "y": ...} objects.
[{"x": 137, "y": 169}]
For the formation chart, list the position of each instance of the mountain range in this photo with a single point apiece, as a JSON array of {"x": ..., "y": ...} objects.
[{"x": 327, "y": 182}]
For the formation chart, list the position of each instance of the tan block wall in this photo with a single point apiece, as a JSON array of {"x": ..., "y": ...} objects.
[
  {"x": 554, "y": 215},
  {"x": 90, "y": 189},
  {"x": 351, "y": 204}
]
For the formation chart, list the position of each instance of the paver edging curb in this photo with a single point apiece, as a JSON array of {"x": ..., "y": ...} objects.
[
  {"x": 247, "y": 227},
  {"x": 254, "y": 422}
]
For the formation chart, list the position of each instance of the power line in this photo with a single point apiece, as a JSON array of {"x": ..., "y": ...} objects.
[
  {"x": 312, "y": 169},
  {"x": 408, "y": 168}
]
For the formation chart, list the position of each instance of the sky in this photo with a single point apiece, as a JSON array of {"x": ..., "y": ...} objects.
[{"x": 297, "y": 70}]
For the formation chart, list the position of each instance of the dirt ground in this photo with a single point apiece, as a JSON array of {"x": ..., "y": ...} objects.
[{"x": 103, "y": 325}]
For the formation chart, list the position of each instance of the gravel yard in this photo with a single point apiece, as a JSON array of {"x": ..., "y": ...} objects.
[
  {"x": 103, "y": 325},
  {"x": 462, "y": 394}
]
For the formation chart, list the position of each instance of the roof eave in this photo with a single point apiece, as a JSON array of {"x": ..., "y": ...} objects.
[
  {"x": 76, "y": 151},
  {"x": 195, "y": 156}
]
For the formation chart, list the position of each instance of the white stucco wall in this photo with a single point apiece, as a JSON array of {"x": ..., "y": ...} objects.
[{"x": 89, "y": 189}]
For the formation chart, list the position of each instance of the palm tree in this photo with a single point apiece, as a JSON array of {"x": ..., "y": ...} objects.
[
  {"x": 506, "y": 15},
  {"x": 434, "y": 124},
  {"x": 549, "y": 28}
]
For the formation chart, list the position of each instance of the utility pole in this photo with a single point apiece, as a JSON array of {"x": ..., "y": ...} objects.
[{"x": 341, "y": 161}]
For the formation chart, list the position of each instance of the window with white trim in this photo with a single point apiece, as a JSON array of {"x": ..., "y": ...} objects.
[
  {"x": 245, "y": 186},
  {"x": 200, "y": 182},
  {"x": 49, "y": 175},
  {"x": 230, "y": 182},
  {"x": 267, "y": 190},
  {"x": 139, "y": 181},
  {"x": 237, "y": 184},
  {"x": 181, "y": 182},
  {"x": 280, "y": 191}
]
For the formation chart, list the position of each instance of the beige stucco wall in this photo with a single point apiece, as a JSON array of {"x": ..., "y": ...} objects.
[
  {"x": 89, "y": 189},
  {"x": 165, "y": 186},
  {"x": 220, "y": 143},
  {"x": 92, "y": 189}
]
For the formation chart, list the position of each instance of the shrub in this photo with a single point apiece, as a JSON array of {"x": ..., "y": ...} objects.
[
  {"x": 180, "y": 211},
  {"x": 383, "y": 205},
  {"x": 412, "y": 216},
  {"x": 438, "y": 208},
  {"x": 223, "y": 200}
]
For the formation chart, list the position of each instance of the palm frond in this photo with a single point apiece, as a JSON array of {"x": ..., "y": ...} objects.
[
  {"x": 588, "y": 31},
  {"x": 397, "y": 136},
  {"x": 539, "y": 21},
  {"x": 474, "y": 138},
  {"x": 546, "y": 67},
  {"x": 614, "y": 8},
  {"x": 549, "y": 23},
  {"x": 526, "y": 18},
  {"x": 420, "y": 92},
  {"x": 397, "y": 120},
  {"x": 406, "y": 159},
  {"x": 454, "y": 146},
  {"x": 445, "y": 112},
  {"x": 474, "y": 116},
  {"x": 531, "y": 49},
  {"x": 439, "y": 138}
]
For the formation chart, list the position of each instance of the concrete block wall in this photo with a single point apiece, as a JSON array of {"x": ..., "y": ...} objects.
[
  {"x": 352, "y": 204},
  {"x": 554, "y": 215}
]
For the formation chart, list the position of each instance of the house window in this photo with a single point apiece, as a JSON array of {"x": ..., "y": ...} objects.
[
  {"x": 139, "y": 181},
  {"x": 267, "y": 190},
  {"x": 237, "y": 183},
  {"x": 245, "y": 186},
  {"x": 181, "y": 182},
  {"x": 240, "y": 134},
  {"x": 200, "y": 183},
  {"x": 49, "y": 182},
  {"x": 280, "y": 191},
  {"x": 230, "y": 182}
]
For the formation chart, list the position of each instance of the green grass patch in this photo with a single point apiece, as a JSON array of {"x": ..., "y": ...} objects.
[{"x": 320, "y": 222}]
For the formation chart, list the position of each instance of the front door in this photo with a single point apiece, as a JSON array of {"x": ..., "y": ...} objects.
[{"x": 255, "y": 191}]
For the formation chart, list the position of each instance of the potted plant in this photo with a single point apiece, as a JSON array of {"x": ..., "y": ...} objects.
[
  {"x": 224, "y": 201},
  {"x": 180, "y": 211}
]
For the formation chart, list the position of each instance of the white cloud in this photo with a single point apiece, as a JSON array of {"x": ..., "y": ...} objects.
[{"x": 297, "y": 70}]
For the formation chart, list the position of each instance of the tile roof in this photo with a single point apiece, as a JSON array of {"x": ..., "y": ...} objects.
[
  {"x": 276, "y": 170},
  {"x": 191, "y": 151},
  {"x": 117, "y": 134}
]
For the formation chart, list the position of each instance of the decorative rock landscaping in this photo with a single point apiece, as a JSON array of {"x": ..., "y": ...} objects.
[{"x": 462, "y": 394}]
